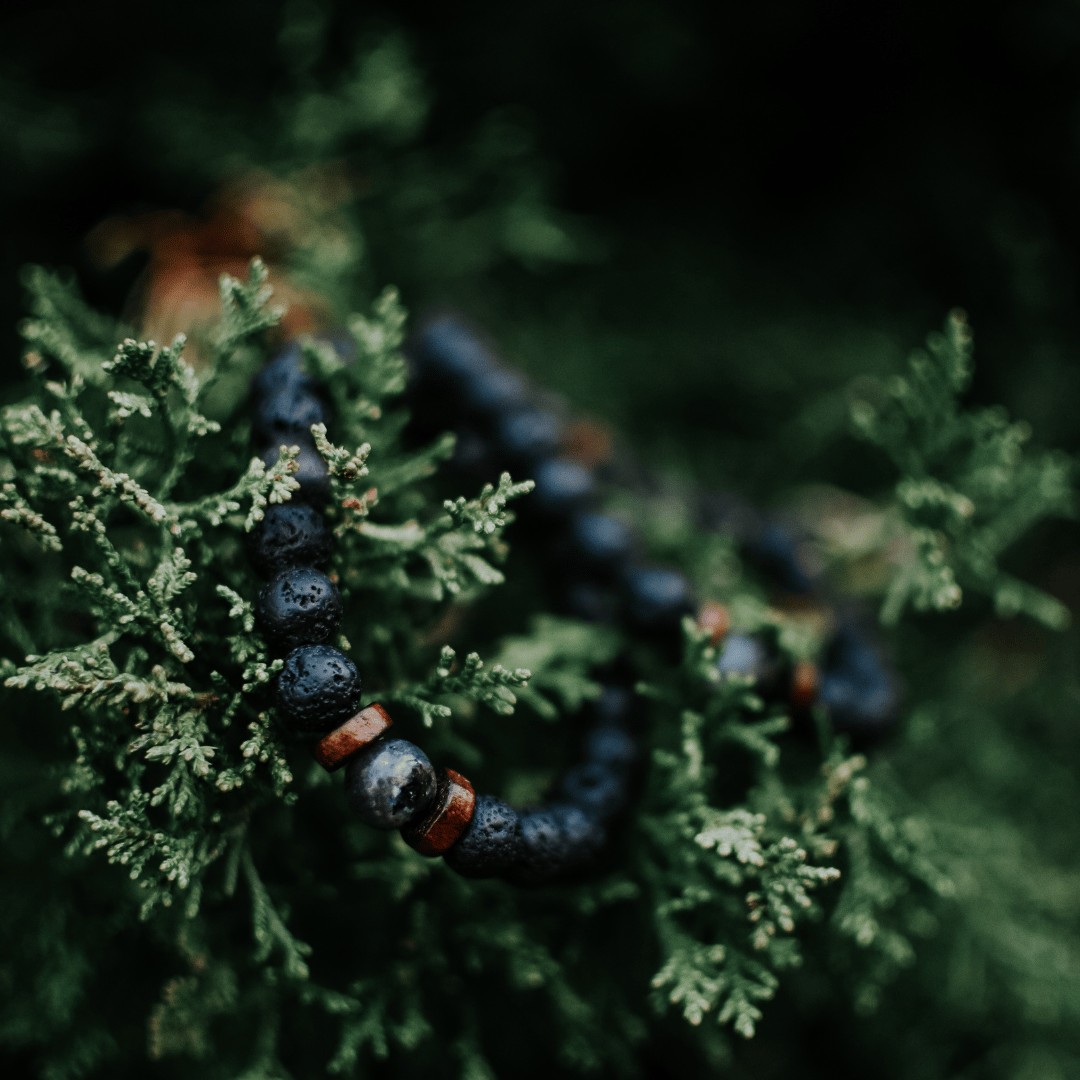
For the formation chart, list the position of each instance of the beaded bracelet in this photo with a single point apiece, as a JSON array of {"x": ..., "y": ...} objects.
[{"x": 389, "y": 782}]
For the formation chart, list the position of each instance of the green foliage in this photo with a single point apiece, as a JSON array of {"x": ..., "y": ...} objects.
[{"x": 967, "y": 490}]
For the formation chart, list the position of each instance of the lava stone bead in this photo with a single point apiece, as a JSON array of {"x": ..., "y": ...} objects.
[
  {"x": 600, "y": 540},
  {"x": 529, "y": 435},
  {"x": 490, "y": 843},
  {"x": 493, "y": 392},
  {"x": 655, "y": 596},
  {"x": 592, "y": 601},
  {"x": 313, "y": 475},
  {"x": 298, "y": 606},
  {"x": 744, "y": 654},
  {"x": 282, "y": 376},
  {"x": 610, "y": 746},
  {"x": 595, "y": 788},
  {"x": 448, "y": 350},
  {"x": 554, "y": 840},
  {"x": 287, "y": 416},
  {"x": 388, "y": 784},
  {"x": 859, "y": 691},
  {"x": 777, "y": 553},
  {"x": 562, "y": 486},
  {"x": 290, "y": 534},
  {"x": 614, "y": 704},
  {"x": 318, "y": 688}
]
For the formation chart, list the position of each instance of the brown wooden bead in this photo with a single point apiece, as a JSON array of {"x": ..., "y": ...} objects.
[
  {"x": 714, "y": 618},
  {"x": 335, "y": 748},
  {"x": 451, "y": 810},
  {"x": 804, "y": 684}
]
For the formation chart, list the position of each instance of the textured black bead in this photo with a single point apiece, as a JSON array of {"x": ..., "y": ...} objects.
[
  {"x": 448, "y": 349},
  {"x": 490, "y": 843},
  {"x": 600, "y": 540},
  {"x": 555, "y": 840},
  {"x": 655, "y": 596},
  {"x": 388, "y": 784},
  {"x": 614, "y": 704},
  {"x": 529, "y": 435},
  {"x": 318, "y": 688},
  {"x": 777, "y": 552},
  {"x": 489, "y": 393},
  {"x": 562, "y": 486},
  {"x": 313, "y": 475},
  {"x": 610, "y": 746},
  {"x": 859, "y": 690},
  {"x": 744, "y": 654},
  {"x": 284, "y": 375},
  {"x": 596, "y": 788},
  {"x": 298, "y": 606},
  {"x": 287, "y": 416},
  {"x": 290, "y": 534}
]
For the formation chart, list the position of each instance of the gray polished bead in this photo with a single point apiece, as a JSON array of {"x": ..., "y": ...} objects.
[{"x": 389, "y": 784}]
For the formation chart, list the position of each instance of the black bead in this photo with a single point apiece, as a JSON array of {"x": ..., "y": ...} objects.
[
  {"x": 562, "y": 486},
  {"x": 313, "y": 475},
  {"x": 744, "y": 654},
  {"x": 614, "y": 704},
  {"x": 595, "y": 788},
  {"x": 656, "y": 597},
  {"x": 284, "y": 375},
  {"x": 298, "y": 606},
  {"x": 447, "y": 349},
  {"x": 388, "y": 784},
  {"x": 610, "y": 746},
  {"x": 529, "y": 435},
  {"x": 318, "y": 688},
  {"x": 776, "y": 551},
  {"x": 555, "y": 840},
  {"x": 860, "y": 692},
  {"x": 287, "y": 416},
  {"x": 489, "y": 845},
  {"x": 600, "y": 540},
  {"x": 490, "y": 393},
  {"x": 290, "y": 534}
]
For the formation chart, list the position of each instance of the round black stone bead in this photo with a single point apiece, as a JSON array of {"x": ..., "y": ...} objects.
[
  {"x": 744, "y": 654},
  {"x": 656, "y": 597},
  {"x": 290, "y": 534},
  {"x": 318, "y": 688},
  {"x": 447, "y": 349},
  {"x": 489, "y": 845},
  {"x": 282, "y": 376},
  {"x": 553, "y": 841},
  {"x": 298, "y": 606},
  {"x": 562, "y": 486},
  {"x": 611, "y": 747},
  {"x": 490, "y": 393},
  {"x": 313, "y": 475},
  {"x": 529, "y": 434},
  {"x": 388, "y": 784},
  {"x": 596, "y": 788},
  {"x": 599, "y": 540},
  {"x": 860, "y": 692},
  {"x": 287, "y": 416}
]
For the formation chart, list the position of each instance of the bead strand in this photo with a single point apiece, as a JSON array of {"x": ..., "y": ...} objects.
[
  {"x": 595, "y": 562},
  {"x": 389, "y": 782}
]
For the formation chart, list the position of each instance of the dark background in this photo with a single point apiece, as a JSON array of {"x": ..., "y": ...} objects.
[{"x": 836, "y": 164}]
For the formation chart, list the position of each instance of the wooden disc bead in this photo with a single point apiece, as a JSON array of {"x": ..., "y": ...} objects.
[
  {"x": 451, "y": 810},
  {"x": 335, "y": 748},
  {"x": 804, "y": 684}
]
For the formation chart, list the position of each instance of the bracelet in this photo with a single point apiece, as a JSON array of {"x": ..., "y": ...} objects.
[{"x": 389, "y": 782}]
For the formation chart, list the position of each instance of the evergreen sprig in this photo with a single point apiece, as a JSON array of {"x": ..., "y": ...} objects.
[{"x": 967, "y": 488}]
